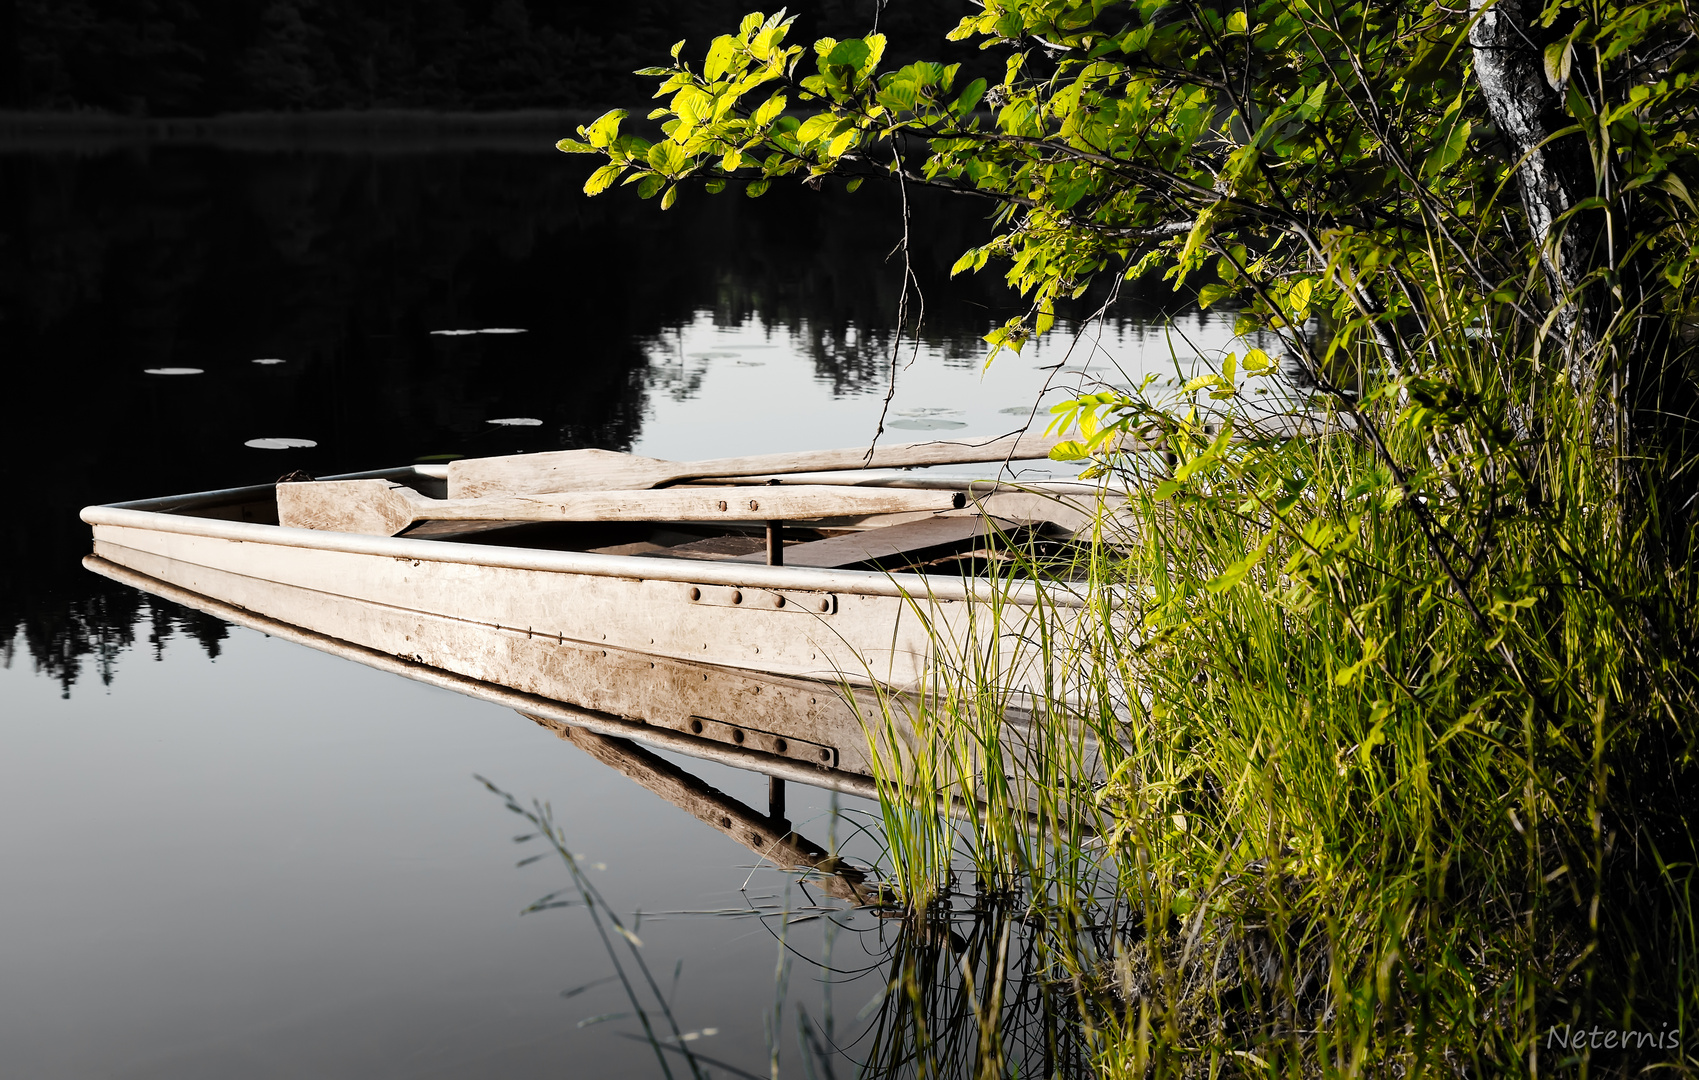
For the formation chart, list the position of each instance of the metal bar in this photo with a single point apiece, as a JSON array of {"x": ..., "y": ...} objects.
[
  {"x": 220, "y": 496},
  {"x": 922, "y": 482}
]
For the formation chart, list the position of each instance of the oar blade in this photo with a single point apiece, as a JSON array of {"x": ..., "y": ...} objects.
[{"x": 368, "y": 507}]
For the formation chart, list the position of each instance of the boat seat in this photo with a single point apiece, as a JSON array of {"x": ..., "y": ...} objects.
[{"x": 899, "y": 545}]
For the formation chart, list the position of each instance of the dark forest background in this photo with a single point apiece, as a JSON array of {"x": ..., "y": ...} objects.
[{"x": 206, "y": 57}]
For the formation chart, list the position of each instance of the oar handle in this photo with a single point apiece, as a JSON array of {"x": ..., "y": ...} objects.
[{"x": 1017, "y": 447}]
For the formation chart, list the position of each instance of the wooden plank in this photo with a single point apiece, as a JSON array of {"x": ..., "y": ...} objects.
[
  {"x": 383, "y": 508},
  {"x": 735, "y": 545},
  {"x": 909, "y": 543},
  {"x": 590, "y": 470}
]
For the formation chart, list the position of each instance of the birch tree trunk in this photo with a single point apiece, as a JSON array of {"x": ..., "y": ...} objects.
[{"x": 1509, "y": 56}]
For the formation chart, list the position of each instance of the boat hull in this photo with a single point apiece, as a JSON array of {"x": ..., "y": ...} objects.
[{"x": 782, "y": 662}]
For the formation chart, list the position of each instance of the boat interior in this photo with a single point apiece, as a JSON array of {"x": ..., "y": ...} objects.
[{"x": 995, "y": 527}]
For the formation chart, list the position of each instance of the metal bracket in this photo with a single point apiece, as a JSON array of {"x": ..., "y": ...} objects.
[{"x": 810, "y": 603}]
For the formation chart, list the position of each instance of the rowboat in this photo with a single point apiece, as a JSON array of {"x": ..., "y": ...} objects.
[{"x": 751, "y": 610}]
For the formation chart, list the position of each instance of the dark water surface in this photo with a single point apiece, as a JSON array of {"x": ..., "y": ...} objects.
[{"x": 226, "y": 855}]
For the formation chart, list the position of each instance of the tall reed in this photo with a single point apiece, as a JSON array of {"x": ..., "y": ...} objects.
[{"x": 1370, "y": 753}]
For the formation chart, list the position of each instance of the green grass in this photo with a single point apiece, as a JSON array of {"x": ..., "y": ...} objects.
[{"x": 1396, "y": 766}]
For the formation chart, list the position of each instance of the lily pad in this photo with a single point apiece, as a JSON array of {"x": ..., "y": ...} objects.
[
  {"x": 268, "y": 361},
  {"x": 925, "y": 423},
  {"x": 517, "y": 421},
  {"x": 503, "y": 330},
  {"x": 280, "y": 444},
  {"x": 174, "y": 371},
  {"x": 452, "y": 333}
]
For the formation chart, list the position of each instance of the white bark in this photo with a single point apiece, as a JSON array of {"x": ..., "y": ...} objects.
[{"x": 1510, "y": 67}]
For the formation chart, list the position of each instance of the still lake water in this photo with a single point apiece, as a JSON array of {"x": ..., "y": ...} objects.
[{"x": 228, "y": 855}]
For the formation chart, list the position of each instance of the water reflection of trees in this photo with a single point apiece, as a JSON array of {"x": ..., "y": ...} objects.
[
  {"x": 202, "y": 56},
  {"x": 95, "y": 630}
]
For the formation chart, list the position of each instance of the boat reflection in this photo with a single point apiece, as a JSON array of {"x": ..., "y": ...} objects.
[
  {"x": 789, "y": 728},
  {"x": 769, "y": 836},
  {"x": 963, "y": 988}
]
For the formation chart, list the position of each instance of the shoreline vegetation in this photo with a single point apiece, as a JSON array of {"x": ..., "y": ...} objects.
[{"x": 1399, "y": 726}]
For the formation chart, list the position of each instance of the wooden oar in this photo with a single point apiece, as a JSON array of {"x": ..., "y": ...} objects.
[
  {"x": 592, "y": 470},
  {"x": 382, "y": 508}
]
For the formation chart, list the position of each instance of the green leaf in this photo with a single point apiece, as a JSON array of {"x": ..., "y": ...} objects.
[
  {"x": 816, "y": 126},
  {"x": 1236, "y": 571},
  {"x": 669, "y": 198},
  {"x": 1672, "y": 184},
  {"x": 1210, "y": 455},
  {"x": 756, "y": 188},
  {"x": 1559, "y": 56},
  {"x": 720, "y": 55},
  {"x": 1209, "y": 294},
  {"x": 1298, "y": 299},
  {"x": 851, "y": 53},
  {"x": 605, "y": 129},
  {"x": 766, "y": 41},
  {"x": 853, "y": 184},
  {"x": 970, "y": 98},
  {"x": 667, "y": 157},
  {"x": 602, "y": 179},
  {"x": 899, "y": 95},
  {"x": 1194, "y": 239},
  {"x": 573, "y": 146},
  {"x": 1450, "y": 139},
  {"x": 769, "y": 111}
]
